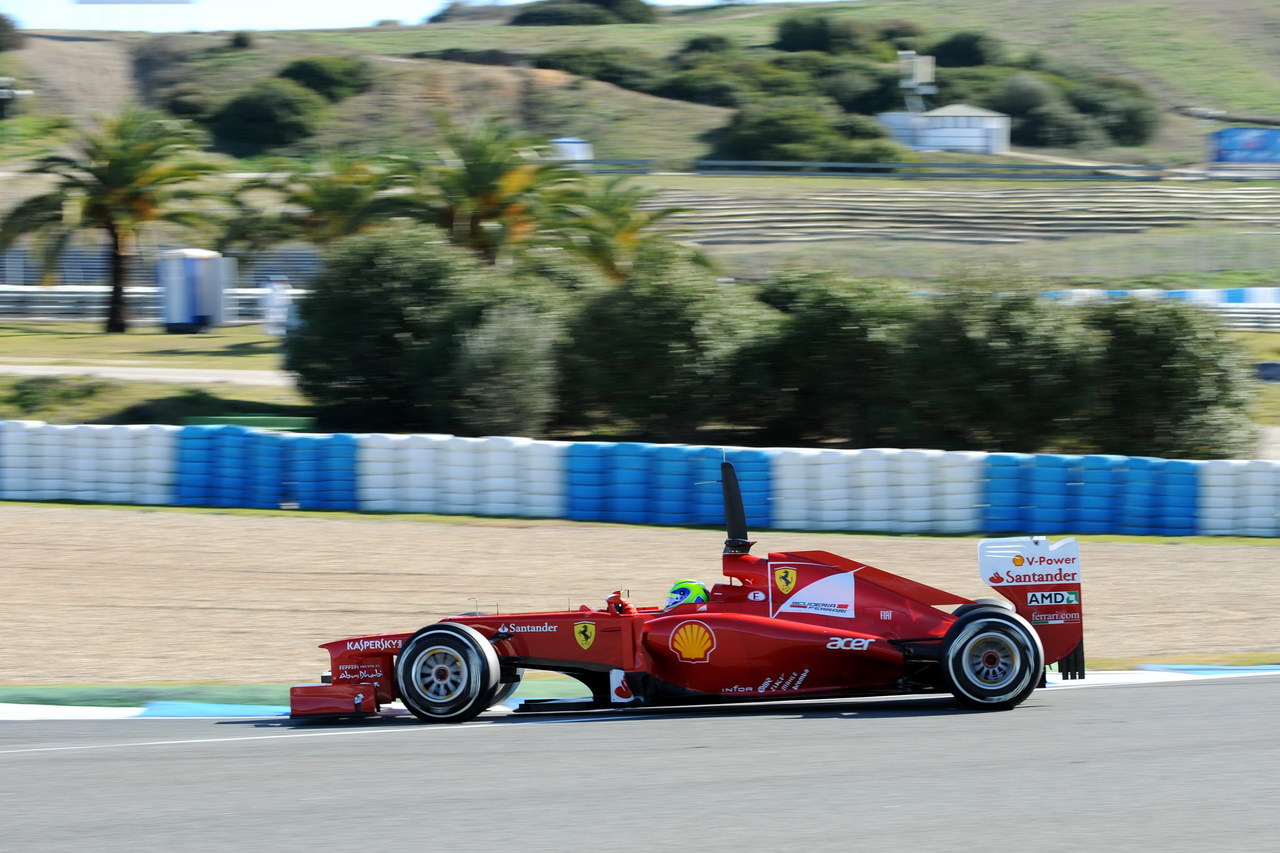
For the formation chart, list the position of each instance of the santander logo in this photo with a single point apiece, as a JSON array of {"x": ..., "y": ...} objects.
[{"x": 997, "y": 577}]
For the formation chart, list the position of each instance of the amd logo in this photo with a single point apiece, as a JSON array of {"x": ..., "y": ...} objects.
[{"x": 1056, "y": 597}]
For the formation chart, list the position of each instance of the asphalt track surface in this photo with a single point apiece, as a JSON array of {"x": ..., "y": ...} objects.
[{"x": 1184, "y": 767}]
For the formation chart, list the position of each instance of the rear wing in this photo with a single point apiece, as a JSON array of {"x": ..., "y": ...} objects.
[{"x": 1042, "y": 580}]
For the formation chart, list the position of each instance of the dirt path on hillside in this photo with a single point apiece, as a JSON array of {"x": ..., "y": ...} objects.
[
  {"x": 119, "y": 596},
  {"x": 78, "y": 74}
]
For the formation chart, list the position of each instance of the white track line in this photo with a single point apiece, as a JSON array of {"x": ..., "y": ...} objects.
[{"x": 347, "y": 733}]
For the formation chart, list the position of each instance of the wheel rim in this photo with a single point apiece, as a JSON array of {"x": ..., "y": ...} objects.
[
  {"x": 441, "y": 674},
  {"x": 992, "y": 660}
]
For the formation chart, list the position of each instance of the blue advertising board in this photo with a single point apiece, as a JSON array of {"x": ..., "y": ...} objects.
[{"x": 1247, "y": 145}]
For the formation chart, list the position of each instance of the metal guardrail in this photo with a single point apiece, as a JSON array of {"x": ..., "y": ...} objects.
[
  {"x": 1021, "y": 171},
  {"x": 88, "y": 302},
  {"x": 612, "y": 167},
  {"x": 1255, "y": 317}
]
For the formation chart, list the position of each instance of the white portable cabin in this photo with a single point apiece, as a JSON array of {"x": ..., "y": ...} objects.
[
  {"x": 193, "y": 283},
  {"x": 956, "y": 127}
]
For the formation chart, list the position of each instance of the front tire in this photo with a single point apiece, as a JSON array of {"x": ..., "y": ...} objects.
[
  {"x": 447, "y": 673},
  {"x": 505, "y": 691},
  {"x": 991, "y": 659}
]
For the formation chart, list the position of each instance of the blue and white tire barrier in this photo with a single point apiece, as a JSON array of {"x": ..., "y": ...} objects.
[
  {"x": 888, "y": 490},
  {"x": 1199, "y": 296}
]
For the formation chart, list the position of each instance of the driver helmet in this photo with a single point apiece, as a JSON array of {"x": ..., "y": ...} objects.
[{"x": 685, "y": 592}]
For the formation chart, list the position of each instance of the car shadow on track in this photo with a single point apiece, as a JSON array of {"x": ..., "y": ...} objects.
[{"x": 863, "y": 709}]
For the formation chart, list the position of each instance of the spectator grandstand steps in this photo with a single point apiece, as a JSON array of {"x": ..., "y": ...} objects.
[{"x": 1008, "y": 215}]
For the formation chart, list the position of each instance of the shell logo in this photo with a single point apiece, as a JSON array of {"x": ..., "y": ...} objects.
[
  {"x": 693, "y": 642},
  {"x": 1018, "y": 559}
]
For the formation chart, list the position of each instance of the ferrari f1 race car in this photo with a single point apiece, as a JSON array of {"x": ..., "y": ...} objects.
[{"x": 802, "y": 624}]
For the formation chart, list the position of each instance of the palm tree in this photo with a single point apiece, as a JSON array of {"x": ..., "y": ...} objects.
[
  {"x": 610, "y": 225},
  {"x": 133, "y": 170},
  {"x": 490, "y": 187},
  {"x": 321, "y": 201}
]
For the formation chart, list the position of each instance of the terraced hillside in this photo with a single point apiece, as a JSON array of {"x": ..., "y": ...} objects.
[{"x": 958, "y": 216}]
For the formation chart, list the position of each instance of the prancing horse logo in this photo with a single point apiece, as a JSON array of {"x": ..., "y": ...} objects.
[
  {"x": 785, "y": 578},
  {"x": 584, "y": 633}
]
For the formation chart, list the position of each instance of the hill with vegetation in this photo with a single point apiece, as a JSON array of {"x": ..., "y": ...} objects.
[{"x": 1197, "y": 53}]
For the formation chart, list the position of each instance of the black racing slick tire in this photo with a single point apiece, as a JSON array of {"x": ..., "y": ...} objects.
[
  {"x": 982, "y": 602},
  {"x": 447, "y": 673},
  {"x": 991, "y": 659}
]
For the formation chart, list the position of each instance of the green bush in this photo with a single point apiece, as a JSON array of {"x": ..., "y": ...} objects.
[
  {"x": 1019, "y": 94},
  {"x": 969, "y": 48},
  {"x": 861, "y": 87},
  {"x": 240, "y": 41},
  {"x": 971, "y": 85},
  {"x": 894, "y": 29},
  {"x": 37, "y": 394},
  {"x": 188, "y": 100},
  {"x": 562, "y": 14},
  {"x": 1169, "y": 381},
  {"x": 583, "y": 61},
  {"x": 773, "y": 81},
  {"x": 627, "y": 11},
  {"x": 334, "y": 77},
  {"x": 810, "y": 31},
  {"x": 11, "y": 38},
  {"x": 626, "y": 67},
  {"x": 384, "y": 330},
  {"x": 716, "y": 87},
  {"x": 1121, "y": 108},
  {"x": 830, "y": 366},
  {"x": 1057, "y": 125},
  {"x": 656, "y": 350},
  {"x": 993, "y": 365},
  {"x": 633, "y": 69},
  {"x": 506, "y": 373},
  {"x": 699, "y": 47},
  {"x": 273, "y": 112},
  {"x": 802, "y": 129}
]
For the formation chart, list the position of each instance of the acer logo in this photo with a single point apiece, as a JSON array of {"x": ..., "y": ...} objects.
[{"x": 850, "y": 644}]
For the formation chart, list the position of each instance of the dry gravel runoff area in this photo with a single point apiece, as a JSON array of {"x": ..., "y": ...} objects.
[{"x": 103, "y": 596}]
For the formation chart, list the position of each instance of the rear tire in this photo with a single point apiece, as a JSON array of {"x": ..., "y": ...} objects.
[
  {"x": 991, "y": 659},
  {"x": 447, "y": 673},
  {"x": 1002, "y": 603}
]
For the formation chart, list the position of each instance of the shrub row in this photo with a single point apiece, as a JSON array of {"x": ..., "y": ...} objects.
[{"x": 403, "y": 333}]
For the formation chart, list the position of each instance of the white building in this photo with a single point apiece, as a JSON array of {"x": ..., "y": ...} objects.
[{"x": 957, "y": 127}]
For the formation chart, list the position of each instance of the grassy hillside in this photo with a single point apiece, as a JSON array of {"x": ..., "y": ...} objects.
[
  {"x": 1188, "y": 52},
  {"x": 397, "y": 112}
]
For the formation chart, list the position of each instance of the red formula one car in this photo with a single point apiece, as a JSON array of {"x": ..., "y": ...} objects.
[{"x": 803, "y": 624}]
